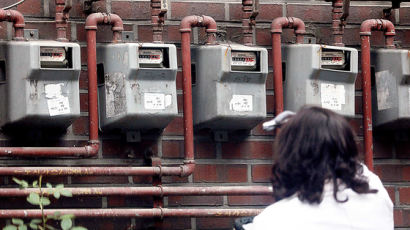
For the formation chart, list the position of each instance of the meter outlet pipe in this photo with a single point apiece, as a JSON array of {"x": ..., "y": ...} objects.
[
  {"x": 365, "y": 33},
  {"x": 276, "y": 30},
  {"x": 62, "y": 9},
  {"x": 18, "y": 22}
]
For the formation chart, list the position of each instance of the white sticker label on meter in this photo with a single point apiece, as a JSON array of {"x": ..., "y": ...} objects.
[
  {"x": 332, "y": 96},
  {"x": 155, "y": 101},
  {"x": 150, "y": 56},
  {"x": 56, "y": 102},
  {"x": 241, "y": 103}
]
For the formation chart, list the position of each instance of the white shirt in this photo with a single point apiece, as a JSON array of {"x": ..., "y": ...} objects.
[{"x": 372, "y": 211}]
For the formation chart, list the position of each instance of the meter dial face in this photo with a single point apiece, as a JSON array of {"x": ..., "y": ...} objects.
[
  {"x": 243, "y": 60},
  {"x": 52, "y": 54},
  {"x": 151, "y": 57},
  {"x": 333, "y": 58}
]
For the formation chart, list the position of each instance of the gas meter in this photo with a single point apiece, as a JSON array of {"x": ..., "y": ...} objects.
[
  {"x": 39, "y": 83},
  {"x": 229, "y": 86},
  {"x": 320, "y": 75},
  {"x": 391, "y": 88},
  {"x": 137, "y": 85}
]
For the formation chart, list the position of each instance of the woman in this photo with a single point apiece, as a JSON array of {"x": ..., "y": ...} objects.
[{"x": 318, "y": 182}]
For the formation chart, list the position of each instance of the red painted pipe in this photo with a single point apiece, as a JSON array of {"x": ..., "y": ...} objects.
[
  {"x": 276, "y": 30},
  {"x": 337, "y": 26},
  {"x": 365, "y": 33},
  {"x": 18, "y": 22},
  {"x": 61, "y": 19},
  {"x": 147, "y": 191},
  {"x": 134, "y": 213}
]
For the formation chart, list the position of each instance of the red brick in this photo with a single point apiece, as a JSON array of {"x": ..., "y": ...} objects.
[
  {"x": 176, "y": 223},
  {"x": 393, "y": 173},
  {"x": 172, "y": 34},
  {"x": 234, "y": 34},
  {"x": 235, "y": 12},
  {"x": 250, "y": 200},
  {"x": 128, "y": 201},
  {"x": 144, "y": 33},
  {"x": 268, "y": 12},
  {"x": 359, "y": 14},
  {"x": 131, "y": 10},
  {"x": 392, "y": 193},
  {"x": 205, "y": 150},
  {"x": 99, "y": 180},
  {"x": 269, "y": 80},
  {"x": 404, "y": 194},
  {"x": 310, "y": 12},
  {"x": 403, "y": 149},
  {"x": 358, "y": 105},
  {"x": 122, "y": 149},
  {"x": 258, "y": 130},
  {"x": 80, "y": 126},
  {"x": 183, "y": 9},
  {"x": 172, "y": 149},
  {"x": 83, "y": 102},
  {"x": 214, "y": 223},
  {"x": 247, "y": 150},
  {"x": 174, "y": 201},
  {"x": 263, "y": 37},
  {"x": 174, "y": 180},
  {"x": 83, "y": 82},
  {"x": 220, "y": 173},
  {"x": 382, "y": 148},
  {"x": 261, "y": 173},
  {"x": 31, "y": 7},
  {"x": 270, "y": 103},
  {"x": 180, "y": 102},
  {"x": 402, "y": 217},
  {"x": 175, "y": 127},
  {"x": 179, "y": 81},
  {"x": 404, "y": 15},
  {"x": 352, "y": 37}
]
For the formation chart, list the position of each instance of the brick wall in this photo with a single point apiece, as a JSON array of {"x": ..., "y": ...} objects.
[{"x": 244, "y": 159}]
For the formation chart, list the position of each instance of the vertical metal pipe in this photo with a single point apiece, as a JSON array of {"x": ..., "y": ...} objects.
[{"x": 18, "y": 22}]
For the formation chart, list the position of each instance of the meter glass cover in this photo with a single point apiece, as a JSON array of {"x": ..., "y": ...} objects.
[
  {"x": 150, "y": 56},
  {"x": 333, "y": 58},
  {"x": 244, "y": 59},
  {"x": 52, "y": 54}
]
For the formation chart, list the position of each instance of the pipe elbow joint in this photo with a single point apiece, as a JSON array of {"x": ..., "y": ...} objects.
[
  {"x": 367, "y": 26},
  {"x": 116, "y": 22},
  {"x": 93, "y": 20},
  {"x": 279, "y": 23},
  {"x": 92, "y": 148},
  {"x": 188, "y": 168},
  {"x": 188, "y": 22}
]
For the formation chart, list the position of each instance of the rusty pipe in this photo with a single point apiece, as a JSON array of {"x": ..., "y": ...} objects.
[
  {"x": 135, "y": 213},
  {"x": 147, "y": 191},
  {"x": 248, "y": 21},
  {"x": 276, "y": 30},
  {"x": 62, "y": 9},
  {"x": 157, "y": 20},
  {"x": 365, "y": 33},
  {"x": 337, "y": 24},
  {"x": 18, "y": 22}
]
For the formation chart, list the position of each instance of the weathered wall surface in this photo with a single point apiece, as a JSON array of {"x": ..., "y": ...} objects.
[{"x": 243, "y": 160}]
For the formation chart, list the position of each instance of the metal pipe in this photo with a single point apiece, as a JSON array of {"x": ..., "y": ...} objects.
[
  {"x": 248, "y": 21},
  {"x": 62, "y": 9},
  {"x": 134, "y": 213},
  {"x": 337, "y": 25},
  {"x": 157, "y": 20},
  {"x": 365, "y": 33},
  {"x": 18, "y": 22},
  {"x": 159, "y": 191},
  {"x": 276, "y": 30}
]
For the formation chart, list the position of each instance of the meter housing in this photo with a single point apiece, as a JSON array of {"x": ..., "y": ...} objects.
[
  {"x": 391, "y": 88},
  {"x": 320, "y": 75},
  {"x": 229, "y": 86},
  {"x": 136, "y": 85},
  {"x": 39, "y": 83}
]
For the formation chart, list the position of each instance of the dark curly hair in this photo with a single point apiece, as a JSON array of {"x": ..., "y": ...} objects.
[{"x": 315, "y": 146}]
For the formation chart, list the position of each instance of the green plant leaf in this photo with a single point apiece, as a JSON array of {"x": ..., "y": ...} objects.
[
  {"x": 66, "y": 223},
  {"x": 10, "y": 227},
  {"x": 59, "y": 186},
  {"x": 22, "y": 183},
  {"x": 49, "y": 185},
  {"x": 33, "y": 226},
  {"x": 45, "y": 201},
  {"x": 35, "y": 221},
  {"x": 66, "y": 193},
  {"x": 33, "y": 198},
  {"x": 56, "y": 194},
  {"x": 22, "y": 227},
  {"x": 35, "y": 184},
  {"x": 17, "y": 221},
  {"x": 50, "y": 227},
  {"x": 67, "y": 216},
  {"x": 78, "y": 228}
]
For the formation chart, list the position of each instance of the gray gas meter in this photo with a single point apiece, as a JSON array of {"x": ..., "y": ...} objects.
[
  {"x": 229, "y": 86},
  {"x": 320, "y": 75},
  {"x": 391, "y": 88},
  {"x": 137, "y": 85},
  {"x": 39, "y": 83}
]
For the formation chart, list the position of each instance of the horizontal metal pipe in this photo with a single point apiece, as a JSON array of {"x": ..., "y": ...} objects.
[
  {"x": 147, "y": 191},
  {"x": 135, "y": 213}
]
